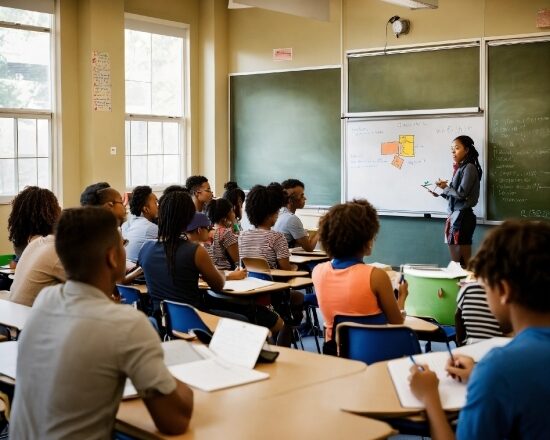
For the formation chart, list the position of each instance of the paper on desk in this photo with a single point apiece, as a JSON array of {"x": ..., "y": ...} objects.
[
  {"x": 231, "y": 357},
  {"x": 452, "y": 393},
  {"x": 8, "y": 359},
  {"x": 246, "y": 285},
  {"x": 175, "y": 353}
]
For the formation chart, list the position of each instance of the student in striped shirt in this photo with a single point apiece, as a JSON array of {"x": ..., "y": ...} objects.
[
  {"x": 473, "y": 319},
  {"x": 262, "y": 208}
]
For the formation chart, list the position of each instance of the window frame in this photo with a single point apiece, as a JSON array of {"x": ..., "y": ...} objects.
[
  {"x": 32, "y": 113},
  {"x": 169, "y": 28}
]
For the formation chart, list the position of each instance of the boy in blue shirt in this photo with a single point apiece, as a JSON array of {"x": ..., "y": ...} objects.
[{"x": 508, "y": 391}]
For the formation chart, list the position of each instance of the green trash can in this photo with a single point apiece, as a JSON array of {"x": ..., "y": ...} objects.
[{"x": 432, "y": 292}]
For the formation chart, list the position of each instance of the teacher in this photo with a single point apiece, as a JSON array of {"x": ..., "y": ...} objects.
[{"x": 462, "y": 195}]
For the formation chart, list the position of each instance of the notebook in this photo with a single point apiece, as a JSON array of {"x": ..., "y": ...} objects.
[
  {"x": 452, "y": 392},
  {"x": 229, "y": 359}
]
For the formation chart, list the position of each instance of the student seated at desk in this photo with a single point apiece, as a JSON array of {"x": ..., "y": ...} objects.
[
  {"x": 34, "y": 212},
  {"x": 79, "y": 346},
  {"x": 289, "y": 223},
  {"x": 262, "y": 208},
  {"x": 346, "y": 285},
  {"x": 224, "y": 245},
  {"x": 199, "y": 231},
  {"x": 172, "y": 264},
  {"x": 235, "y": 196},
  {"x": 473, "y": 318},
  {"x": 101, "y": 194},
  {"x": 141, "y": 225},
  {"x": 199, "y": 188},
  {"x": 508, "y": 390}
]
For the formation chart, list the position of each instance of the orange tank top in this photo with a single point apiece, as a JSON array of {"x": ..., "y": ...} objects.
[{"x": 344, "y": 292}]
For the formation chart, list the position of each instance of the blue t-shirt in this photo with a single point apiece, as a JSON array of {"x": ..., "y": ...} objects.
[
  {"x": 509, "y": 391},
  {"x": 136, "y": 230},
  {"x": 183, "y": 286}
]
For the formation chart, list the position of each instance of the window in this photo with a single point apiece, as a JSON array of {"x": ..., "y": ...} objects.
[
  {"x": 156, "y": 83},
  {"x": 25, "y": 97}
]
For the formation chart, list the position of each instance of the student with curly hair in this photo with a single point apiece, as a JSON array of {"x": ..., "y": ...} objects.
[
  {"x": 34, "y": 212},
  {"x": 508, "y": 390},
  {"x": 223, "y": 244},
  {"x": 199, "y": 188},
  {"x": 38, "y": 265},
  {"x": 346, "y": 285},
  {"x": 141, "y": 225},
  {"x": 236, "y": 197},
  {"x": 262, "y": 208}
]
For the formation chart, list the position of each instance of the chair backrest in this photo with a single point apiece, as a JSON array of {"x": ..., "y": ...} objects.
[
  {"x": 257, "y": 268},
  {"x": 182, "y": 317},
  {"x": 129, "y": 295},
  {"x": 378, "y": 318},
  {"x": 375, "y": 343}
]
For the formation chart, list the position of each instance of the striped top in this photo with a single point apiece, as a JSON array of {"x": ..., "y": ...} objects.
[
  {"x": 264, "y": 243},
  {"x": 479, "y": 322},
  {"x": 222, "y": 240}
]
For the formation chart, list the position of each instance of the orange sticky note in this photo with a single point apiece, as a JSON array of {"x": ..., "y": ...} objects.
[
  {"x": 397, "y": 162},
  {"x": 390, "y": 148}
]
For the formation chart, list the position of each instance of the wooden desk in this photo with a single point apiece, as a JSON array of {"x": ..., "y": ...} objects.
[
  {"x": 300, "y": 282},
  {"x": 280, "y": 273},
  {"x": 246, "y": 412},
  {"x": 302, "y": 259},
  {"x": 419, "y": 325},
  {"x": 275, "y": 287},
  {"x": 13, "y": 315}
]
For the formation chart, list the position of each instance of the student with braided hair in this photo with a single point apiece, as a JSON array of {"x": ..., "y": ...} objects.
[{"x": 462, "y": 194}]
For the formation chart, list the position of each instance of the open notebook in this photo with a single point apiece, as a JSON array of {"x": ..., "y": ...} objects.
[
  {"x": 8, "y": 359},
  {"x": 452, "y": 392},
  {"x": 227, "y": 362}
]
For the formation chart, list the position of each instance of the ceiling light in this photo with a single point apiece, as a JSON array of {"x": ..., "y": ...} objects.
[{"x": 415, "y": 4}]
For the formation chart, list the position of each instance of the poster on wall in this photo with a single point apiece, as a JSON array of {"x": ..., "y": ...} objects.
[{"x": 101, "y": 82}]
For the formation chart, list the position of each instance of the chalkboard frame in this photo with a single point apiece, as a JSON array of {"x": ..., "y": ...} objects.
[{"x": 397, "y": 50}]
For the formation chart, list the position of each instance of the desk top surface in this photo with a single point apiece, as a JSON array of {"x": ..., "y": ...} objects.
[
  {"x": 13, "y": 314},
  {"x": 262, "y": 402},
  {"x": 276, "y": 286}
]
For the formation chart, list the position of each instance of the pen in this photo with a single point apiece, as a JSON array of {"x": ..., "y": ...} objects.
[{"x": 420, "y": 368}]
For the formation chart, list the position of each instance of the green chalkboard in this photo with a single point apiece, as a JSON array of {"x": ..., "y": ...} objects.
[
  {"x": 287, "y": 125},
  {"x": 519, "y": 131},
  {"x": 419, "y": 80}
]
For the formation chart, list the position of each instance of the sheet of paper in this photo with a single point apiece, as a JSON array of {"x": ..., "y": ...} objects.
[
  {"x": 215, "y": 374},
  {"x": 453, "y": 393},
  {"x": 246, "y": 285},
  {"x": 238, "y": 342},
  {"x": 8, "y": 358}
]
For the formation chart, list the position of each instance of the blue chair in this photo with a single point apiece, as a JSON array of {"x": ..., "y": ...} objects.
[
  {"x": 129, "y": 295},
  {"x": 181, "y": 317},
  {"x": 444, "y": 333},
  {"x": 375, "y": 343}
]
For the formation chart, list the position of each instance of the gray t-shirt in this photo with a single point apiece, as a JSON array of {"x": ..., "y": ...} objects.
[
  {"x": 291, "y": 226},
  {"x": 74, "y": 355}
]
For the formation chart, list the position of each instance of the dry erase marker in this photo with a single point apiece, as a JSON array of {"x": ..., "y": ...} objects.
[{"x": 420, "y": 368}]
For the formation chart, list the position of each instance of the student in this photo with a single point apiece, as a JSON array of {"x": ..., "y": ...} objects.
[
  {"x": 508, "y": 390},
  {"x": 172, "y": 264},
  {"x": 473, "y": 319},
  {"x": 38, "y": 267},
  {"x": 235, "y": 196},
  {"x": 141, "y": 225},
  {"x": 79, "y": 346},
  {"x": 172, "y": 188},
  {"x": 34, "y": 212},
  {"x": 346, "y": 285},
  {"x": 101, "y": 194},
  {"x": 224, "y": 248},
  {"x": 462, "y": 195},
  {"x": 289, "y": 223},
  {"x": 199, "y": 231},
  {"x": 200, "y": 190},
  {"x": 262, "y": 208}
]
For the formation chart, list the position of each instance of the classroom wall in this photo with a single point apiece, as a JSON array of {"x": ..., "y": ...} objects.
[{"x": 363, "y": 26}]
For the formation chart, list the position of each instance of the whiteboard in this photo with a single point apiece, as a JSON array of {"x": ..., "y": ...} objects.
[{"x": 387, "y": 161}]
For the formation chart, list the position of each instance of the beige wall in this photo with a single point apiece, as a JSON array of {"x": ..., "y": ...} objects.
[{"x": 223, "y": 42}]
